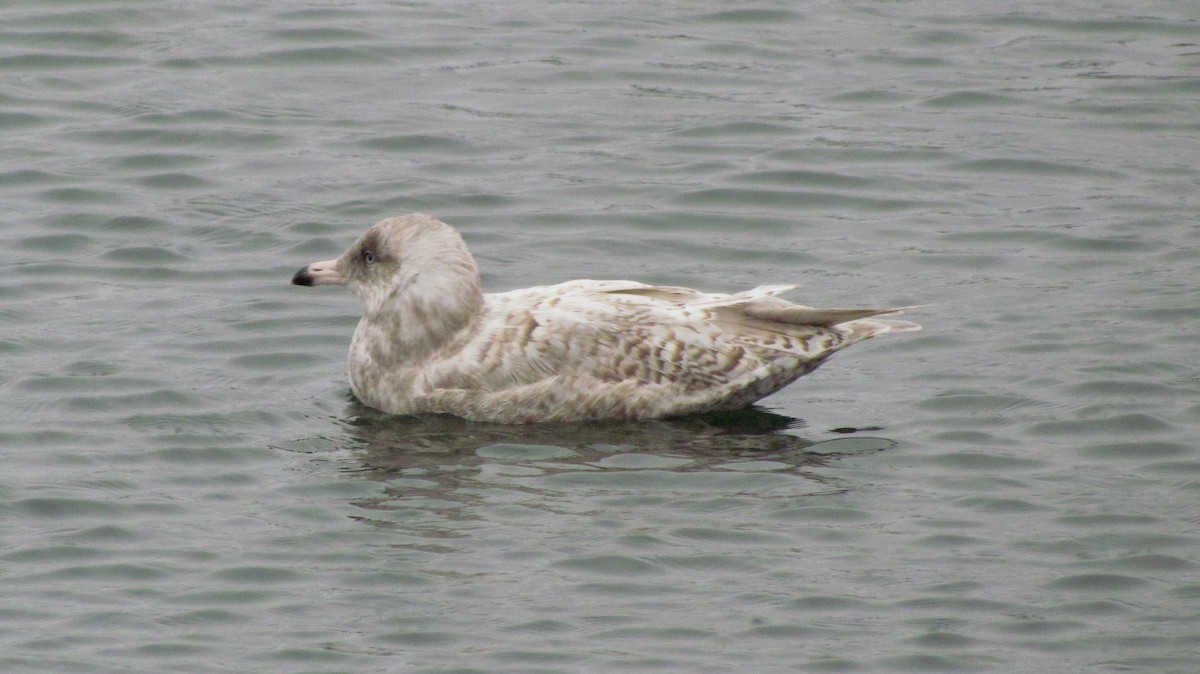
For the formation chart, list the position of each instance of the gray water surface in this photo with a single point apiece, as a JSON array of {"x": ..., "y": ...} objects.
[{"x": 188, "y": 486}]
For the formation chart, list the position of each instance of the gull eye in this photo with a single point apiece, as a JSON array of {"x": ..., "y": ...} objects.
[{"x": 368, "y": 257}]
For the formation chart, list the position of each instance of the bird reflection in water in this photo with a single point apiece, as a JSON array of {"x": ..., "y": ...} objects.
[
  {"x": 441, "y": 473},
  {"x": 430, "y": 445}
]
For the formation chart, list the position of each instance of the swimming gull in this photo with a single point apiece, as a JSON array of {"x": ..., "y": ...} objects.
[{"x": 431, "y": 341}]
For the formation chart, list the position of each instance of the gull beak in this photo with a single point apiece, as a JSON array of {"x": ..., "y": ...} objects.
[{"x": 319, "y": 274}]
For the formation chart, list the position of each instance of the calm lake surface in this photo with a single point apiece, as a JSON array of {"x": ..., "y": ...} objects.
[{"x": 187, "y": 485}]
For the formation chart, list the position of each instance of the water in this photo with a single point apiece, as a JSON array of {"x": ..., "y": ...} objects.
[{"x": 187, "y": 485}]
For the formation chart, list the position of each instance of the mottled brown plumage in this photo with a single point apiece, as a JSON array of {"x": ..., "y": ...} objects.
[{"x": 431, "y": 341}]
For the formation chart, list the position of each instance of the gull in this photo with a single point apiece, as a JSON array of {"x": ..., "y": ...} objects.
[{"x": 431, "y": 341}]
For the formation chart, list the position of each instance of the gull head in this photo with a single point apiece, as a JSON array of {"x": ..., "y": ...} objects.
[{"x": 413, "y": 265}]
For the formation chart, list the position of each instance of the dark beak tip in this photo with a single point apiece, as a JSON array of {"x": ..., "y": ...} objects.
[{"x": 302, "y": 277}]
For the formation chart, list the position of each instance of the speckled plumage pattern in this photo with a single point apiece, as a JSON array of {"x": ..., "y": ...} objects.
[{"x": 431, "y": 341}]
